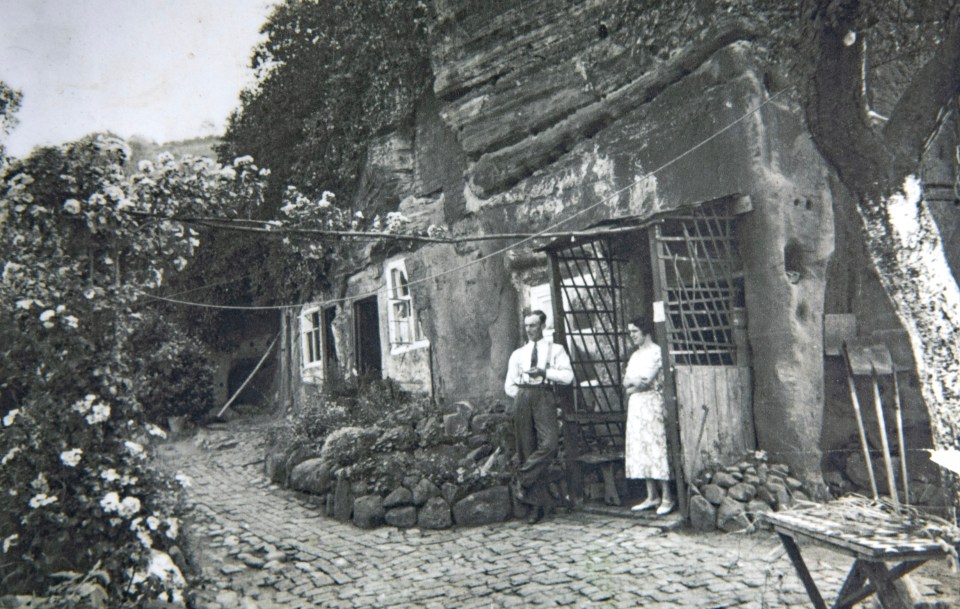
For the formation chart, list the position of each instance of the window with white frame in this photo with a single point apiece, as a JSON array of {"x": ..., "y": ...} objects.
[
  {"x": 311, "y": 333},
  {"x": 405, "y": 328}
]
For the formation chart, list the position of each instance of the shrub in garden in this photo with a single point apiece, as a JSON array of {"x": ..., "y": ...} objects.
[{"x": 172, "y": 373}]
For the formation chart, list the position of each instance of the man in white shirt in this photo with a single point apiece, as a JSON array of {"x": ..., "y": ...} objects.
[{"x": 533, "y": 371}]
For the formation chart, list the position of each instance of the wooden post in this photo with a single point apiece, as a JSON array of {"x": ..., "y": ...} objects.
[
  {"x": 900, "y": 442},
  {"x": 887, "y": 461},
  {"x": 669, "y": 389},
  {"x": 856, "y": 407}
]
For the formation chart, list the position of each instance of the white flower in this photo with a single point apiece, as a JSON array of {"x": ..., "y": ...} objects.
[
  {"x": 25, "y": 304},
  {"x": 113, "y": 192},
  {"x": 41, "y": 499},
  {"x": 129, "y": 506},
  {"x": 173, "y": 527},
  {"x": 183, "y": 479},
  {"x": 180, "y": 263},
  {"x": 162, "y": 567},
  {"x": 89, "y": 293},
  {"x": 145, "y": 540},
  {"x": 72, "y": 321},
  {"x": 228, "y": 172},
  {"x": 11, "y": 417},
  {"x": 71, "y": 457},
  {"x": 264, "y": 172},
  {"x": 110, "y": 475},
  {"x": 71, "y": 206},
  {"x": 153, "y": 430},
  {"x": 46, "y": 316},
  {"x": 9, "y": 542},
  {"x": 145, "y": 166},
  {"x": 110, "y": 502},
  {"x": 10, "y": 455},
  {"x": 134, "y": 449},
  {"x": 82, "y": 406},
  {"x": 99, "y": 414},
  {"x": 242, "y": 160},
  {"x": 153, "y": 522}
]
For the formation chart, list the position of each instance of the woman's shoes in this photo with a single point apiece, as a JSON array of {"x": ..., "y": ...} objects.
[
  {"x": 646, "y": 504},
  {"x": 665, "y": 508}
]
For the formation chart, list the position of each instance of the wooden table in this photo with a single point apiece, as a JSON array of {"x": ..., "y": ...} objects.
[{"x": 871, "y": 537}]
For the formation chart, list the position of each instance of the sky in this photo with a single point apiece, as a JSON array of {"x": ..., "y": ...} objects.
[{"x": 160, "y": 69}]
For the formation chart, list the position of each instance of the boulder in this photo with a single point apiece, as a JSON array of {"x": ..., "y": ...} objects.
[
  {"x": 488, "y": 423},
  {"x": 757, "y": 507},
  {"x": 703, "y": 515},
  {"x": 450, "y": 492},
  {"x": 424, "y": 491},
  {"x": 724, "y": 479},
  {"x": 274, "y": 467},
  {"x": 483, "y": 507},
  {"x": 455, "y": 425},
  {"x": 764, "y": 495},
  {"x": 312, "y": 476},
  {"x": 399, "y": 497},
  {"x": 713, "y": 493},
  {"x": 793, "y": 484},
  {"x": 479, "y": 453},
  {"x": 402, "y": 517},
  {"x": 435, "y": 514},
  {"x": 732, "y": 516},
  {"x": 347, "y": 445},
  {"x": 368, "y": 512},
  {"x": 742, "y": 492},
  {"x": 342, "y": 500}
]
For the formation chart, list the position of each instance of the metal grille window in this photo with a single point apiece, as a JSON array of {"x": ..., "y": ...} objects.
[{"x": 703, "y": 284}]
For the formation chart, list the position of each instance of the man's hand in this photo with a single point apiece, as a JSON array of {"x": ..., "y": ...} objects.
[{"x": 535, "y": 373}]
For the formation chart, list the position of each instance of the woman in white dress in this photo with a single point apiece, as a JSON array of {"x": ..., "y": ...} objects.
[{"x": 645, "y": 452}]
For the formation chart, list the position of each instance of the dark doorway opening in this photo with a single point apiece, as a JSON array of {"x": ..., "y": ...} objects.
[
  {"x": 258, "y": 390},
  {"x": 366, "y": 314}
]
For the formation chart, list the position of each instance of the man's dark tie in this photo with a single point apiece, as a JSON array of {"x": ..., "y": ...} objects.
[{"x": 533, "y": 356}]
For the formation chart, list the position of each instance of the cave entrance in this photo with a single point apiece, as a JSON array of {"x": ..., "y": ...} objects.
[
  {"x": 683, "y": 270},
  {"x": 258, "y": 390}
]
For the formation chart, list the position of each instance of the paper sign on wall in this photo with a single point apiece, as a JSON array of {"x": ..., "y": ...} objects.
[{"x": 658, "y": 312}]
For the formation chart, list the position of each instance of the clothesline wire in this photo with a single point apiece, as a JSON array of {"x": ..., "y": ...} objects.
[{"x": 497, "y": 252}]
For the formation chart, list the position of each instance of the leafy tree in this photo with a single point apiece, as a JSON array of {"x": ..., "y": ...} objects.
[
  {"x": 9, "y": 105},
  {"x": 331, "y": 75}
]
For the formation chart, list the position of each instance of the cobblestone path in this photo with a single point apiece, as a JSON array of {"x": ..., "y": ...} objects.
[{"x": 261, "y": 546}]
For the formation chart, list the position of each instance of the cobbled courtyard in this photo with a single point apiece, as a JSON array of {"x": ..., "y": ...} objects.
[{"x": 260, "y": 546}]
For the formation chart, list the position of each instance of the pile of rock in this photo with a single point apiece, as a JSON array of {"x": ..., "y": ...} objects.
[
  {"x": 730, "y": 497},
  {"x": 448, "y": 469}
]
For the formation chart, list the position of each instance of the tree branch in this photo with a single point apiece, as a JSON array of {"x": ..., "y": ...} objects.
[
  {"x": 834, "y": 102},
  {"x": 920, "y": 109}
]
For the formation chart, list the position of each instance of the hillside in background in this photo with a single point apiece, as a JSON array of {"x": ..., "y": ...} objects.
[{"x": 146, "y": 149}]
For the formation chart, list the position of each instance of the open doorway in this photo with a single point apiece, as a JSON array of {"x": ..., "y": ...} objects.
[{"x": 366, "y": 316}]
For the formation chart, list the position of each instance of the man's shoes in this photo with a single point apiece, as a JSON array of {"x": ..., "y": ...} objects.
[{"x": 536, "y": 514}]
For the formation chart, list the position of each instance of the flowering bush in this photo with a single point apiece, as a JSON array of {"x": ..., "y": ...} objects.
[{"x": 82, "y": 237}]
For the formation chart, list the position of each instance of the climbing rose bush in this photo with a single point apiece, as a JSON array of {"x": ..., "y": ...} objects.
[{"x": 83, "y": 236}]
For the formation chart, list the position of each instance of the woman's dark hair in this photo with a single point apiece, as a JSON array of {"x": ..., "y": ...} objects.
[{"x": 643, "y": 324}]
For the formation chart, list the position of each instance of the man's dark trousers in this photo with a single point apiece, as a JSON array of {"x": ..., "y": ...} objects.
[{"x": 537, "y": 433}]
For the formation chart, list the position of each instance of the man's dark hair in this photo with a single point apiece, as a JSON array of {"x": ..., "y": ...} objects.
[
  {"x": 541, "y": 315},
  {"x": 643, "y": 324}
]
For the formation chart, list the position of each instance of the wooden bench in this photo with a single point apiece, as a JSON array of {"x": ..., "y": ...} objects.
[{"x": 605, "y": 460}]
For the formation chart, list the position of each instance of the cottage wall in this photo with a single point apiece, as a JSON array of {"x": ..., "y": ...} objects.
[{"x": 532, "y": 126}]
